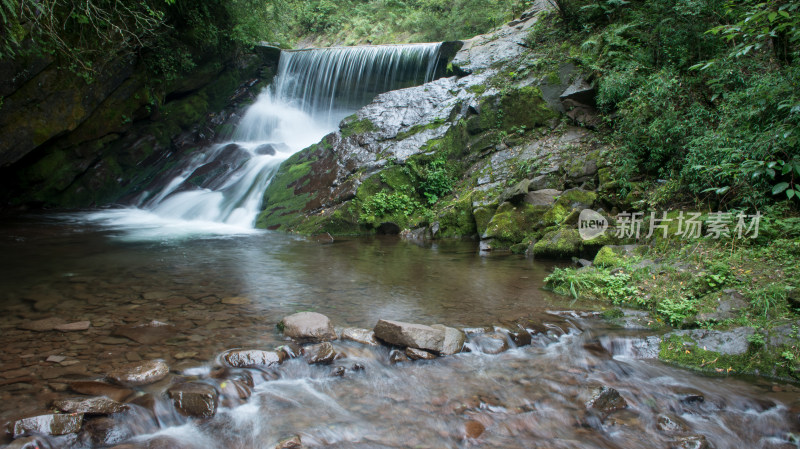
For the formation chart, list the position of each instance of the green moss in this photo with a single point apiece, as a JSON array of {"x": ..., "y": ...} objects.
[
  {"x": 561, "y": 243},
  {"x": 416, "y": 129},
  {"x": 282, "y": 205},
  {"x": 456, "y": 219},
  {"x": 607, "y": 257},
  {"x": 555, "y": 215},
  {"x": 483, "y": 214},
  {"x": 511, "y": 223},
  {"x": 525, "y": 107},
  {"x": 353, "y": 127},
  {"x": 477, "y": 89},
  {"x": 187, "y": 111},
  {"x": 583, "y": 198},
  {"x": 764, "y": 361},
  {"x": 553, "y": 78}
]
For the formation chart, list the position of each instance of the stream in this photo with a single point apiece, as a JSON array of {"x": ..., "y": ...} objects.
[{"x": 229, "y": 291}]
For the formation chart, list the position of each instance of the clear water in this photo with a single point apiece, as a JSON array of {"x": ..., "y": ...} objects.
[{"x": 530, "y": 397}]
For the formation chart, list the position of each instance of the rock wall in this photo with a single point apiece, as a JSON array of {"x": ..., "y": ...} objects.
[{"x": 72, "y": 142}]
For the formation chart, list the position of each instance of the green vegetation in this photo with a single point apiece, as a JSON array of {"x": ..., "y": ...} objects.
[
  {"x": 350, "y": 22},
  {"x": 701, "y": 92}
]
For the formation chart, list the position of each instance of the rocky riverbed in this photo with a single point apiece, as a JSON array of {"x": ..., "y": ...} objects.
[{"x": 195, "y": 344}]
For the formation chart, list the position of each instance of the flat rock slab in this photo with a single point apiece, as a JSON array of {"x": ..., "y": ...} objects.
[
  {"x": 55, "y": 424},
  {"x": 308, "y": 327},
  {"x": 99, "y": 405},
  {"x": 733, "y": 341},
  {"x": 43, "y": 325},
  {"x": 410, "y": 335},
  {"x": 139, "y": 373},
  {"x": 363, "y": 336},
  {"x": 146, "y": 334},
  {"x": 194, "y": 399},
  {"x": 95, "y": 388},
  {"x": 253, "y": 358},
  {"x": 73, "y": 327}
]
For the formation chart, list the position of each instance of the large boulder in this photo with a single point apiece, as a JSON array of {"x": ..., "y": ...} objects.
[
  {"x": 411, "y": 335},
  {"x": 308, "y": 327},
  {"x": 194, "y": 399}
]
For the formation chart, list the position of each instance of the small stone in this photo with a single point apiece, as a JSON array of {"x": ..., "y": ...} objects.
[
  {"x": 670, "y": 423},
  {"x": 521, "y": 338},
  {"x": 490, "y": 343},
  {"x": 43, "y": 325},
  {"x": 358, "y": 367},
  {"x": 150, "y": 333},
  {"x": 363, "y": 336},
  {"x": 419, "y": 354},
  {"x": 194, "y": 399},
  {"x": 139, "y": 373},
  {"x": 73, "y": 327},
  {"x": 55, "y": 424},
  {"x": 290, "y": 443},
  {"x": 13, "y": 374},
  {"x": 606, "y": 400},
  {"x": 338, "y": 371},
  {"x": 473, "y": 429},
  {"x": 92, "y": 406},
  {"x": 185, "y": 355},
  {"x": 56, "y": 359},
  {"x": 253, "y": 358},
  {"x": 236, "y": 300},
  {"x": 308, "y": 327},
  {"x": 322, "y": 353},
  {"x": 691, "y": 442},
  {"x": 396, "y": 357}
]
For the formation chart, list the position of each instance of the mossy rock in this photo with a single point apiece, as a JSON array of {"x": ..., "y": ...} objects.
[
  {"x": 483, "y": 214},
  {"x": 512, "y": 223},
  {"x": 561, "y": 243},
  {"x": 352, "y": 126},
  {"x": 607, "y": 258},
  {"x": 577, "y": 198},
  {"x": 457, "y": 219}
]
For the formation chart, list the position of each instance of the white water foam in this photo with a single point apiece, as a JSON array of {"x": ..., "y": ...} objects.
[{"x": 219, "y": 191}]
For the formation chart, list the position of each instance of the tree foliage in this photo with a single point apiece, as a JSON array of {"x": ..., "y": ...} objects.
[{"x": 700, "y": 91}]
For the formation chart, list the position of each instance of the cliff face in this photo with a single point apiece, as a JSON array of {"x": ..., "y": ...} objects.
[{"x": 68, "y": 141}]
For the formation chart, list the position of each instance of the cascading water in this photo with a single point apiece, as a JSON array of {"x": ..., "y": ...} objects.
[{"x": 220, "y": 190}]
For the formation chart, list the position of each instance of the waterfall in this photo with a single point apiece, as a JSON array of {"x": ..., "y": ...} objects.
[{"x": 312, "y": 92}]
